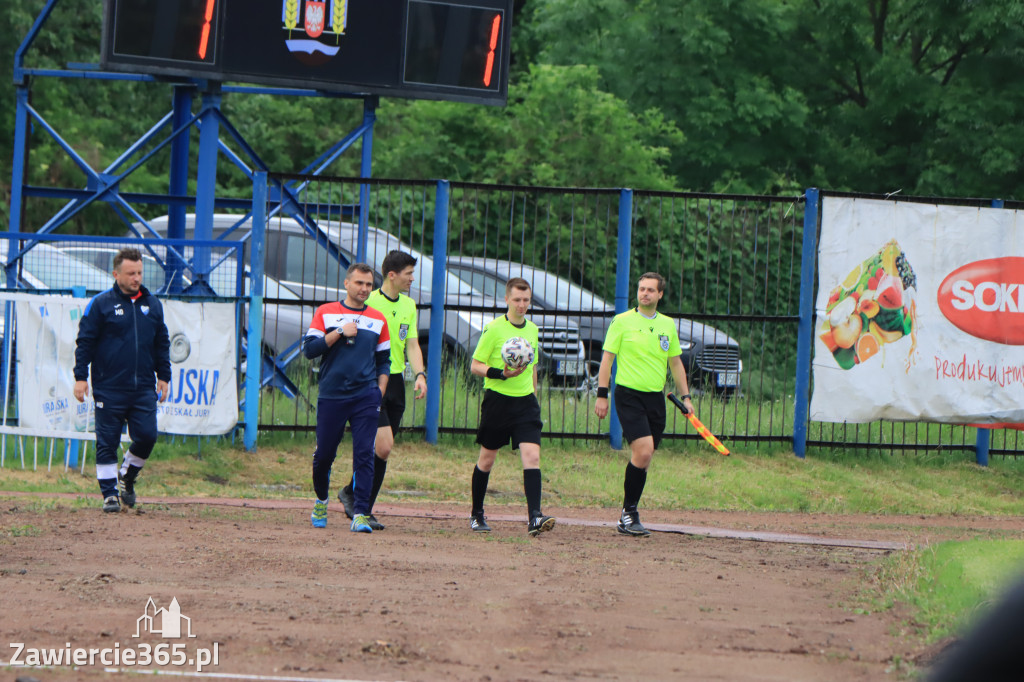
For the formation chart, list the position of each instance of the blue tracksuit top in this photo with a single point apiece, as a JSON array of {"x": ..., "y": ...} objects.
[{"x": 125, "y": 341}]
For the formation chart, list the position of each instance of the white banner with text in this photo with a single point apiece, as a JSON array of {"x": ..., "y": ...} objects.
[
  {"x": 203, "y": 396},
  {"x": 919, "y": 314}
]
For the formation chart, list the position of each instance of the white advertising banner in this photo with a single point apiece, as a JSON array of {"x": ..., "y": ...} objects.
[
  {"x": 920, "y": 313},
  {"x": 203, "y": 396}
]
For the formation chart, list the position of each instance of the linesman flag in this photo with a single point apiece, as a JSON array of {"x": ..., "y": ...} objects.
[{"x": 700, "y": 428}]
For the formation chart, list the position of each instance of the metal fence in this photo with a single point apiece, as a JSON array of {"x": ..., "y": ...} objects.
[
  {"x": 740, "y": 272},
  {"x": 735, "y": 267}
]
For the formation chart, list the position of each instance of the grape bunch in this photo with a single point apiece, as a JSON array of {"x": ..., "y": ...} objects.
[{"x": 905, "y": 272}]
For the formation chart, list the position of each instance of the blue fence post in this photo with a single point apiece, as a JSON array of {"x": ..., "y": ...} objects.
[
  {"x": 72, "y": 444},
  {"x": 435, "y": 346},
  {"x": 622, "y": 292},
  {"x": 808, "y": 256},
  {"x": 984, "y": 437},
  {"x": 254, "y": 341}
]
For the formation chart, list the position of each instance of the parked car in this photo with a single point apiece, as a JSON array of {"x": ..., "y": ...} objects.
[
  {"x": 711, "y": 357},
  {"x": 45, "y": 267},
  {"x": 283, "y": 323},
  {"x": 296, "y": 260},
  {"x": 102, "y": 257}
]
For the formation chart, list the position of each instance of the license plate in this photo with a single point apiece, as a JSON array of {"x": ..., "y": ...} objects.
[
  {"x": 728, "y": 378},
  {"x": 570, "y": 368}
]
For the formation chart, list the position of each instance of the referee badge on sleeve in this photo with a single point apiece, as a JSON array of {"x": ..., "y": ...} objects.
[
  {"x": 403, "y": 331},
  {"x": 663, "y": 339}
]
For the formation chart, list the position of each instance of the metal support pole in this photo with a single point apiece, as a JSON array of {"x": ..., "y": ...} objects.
[
  {"x": 254, "y": 341},
  {"x": 983, "y": 439},
  {"x": 178, "y": 185},
  {"x": 365, "y": 170},
  {"x": 805, "y": 333},
  {"x": 435, "y": 345},
  {"x": 206, "y": 180},
  {"x": 622, "y": 291}
]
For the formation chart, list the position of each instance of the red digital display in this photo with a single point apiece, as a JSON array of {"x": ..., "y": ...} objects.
[
  {"x": 204, "y": 39},
  {"x": 495, "y": 30}
]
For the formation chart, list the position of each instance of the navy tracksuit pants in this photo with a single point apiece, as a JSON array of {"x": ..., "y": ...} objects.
[
  {"x": 361, "y": 413},
  {"x": 137, "y": 409}
]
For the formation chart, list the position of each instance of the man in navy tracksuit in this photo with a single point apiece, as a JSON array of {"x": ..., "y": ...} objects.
[
  {"x": 353, "y": 341},
  {"x": 123, "y": 336}
]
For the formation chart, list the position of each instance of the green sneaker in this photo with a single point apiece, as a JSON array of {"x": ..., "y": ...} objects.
[
  {"x": 361, "y": 524},
  {"x": 319, "y": 517}
]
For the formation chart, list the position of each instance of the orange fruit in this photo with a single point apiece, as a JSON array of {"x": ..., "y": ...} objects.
[{"x": 867, "y": 346}]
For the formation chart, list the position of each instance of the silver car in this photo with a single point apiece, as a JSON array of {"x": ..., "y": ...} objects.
[
  {"x": 711, "y": 357},
  {"x": 296, "y": 260}
]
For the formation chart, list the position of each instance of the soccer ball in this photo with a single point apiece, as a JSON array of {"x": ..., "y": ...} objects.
[{"x": 517, "y": 352}]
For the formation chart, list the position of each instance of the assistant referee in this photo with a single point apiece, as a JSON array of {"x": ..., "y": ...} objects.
[{"x": 642, "y": 342}]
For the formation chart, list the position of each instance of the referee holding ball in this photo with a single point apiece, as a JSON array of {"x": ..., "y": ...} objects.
[
  {"x": 643, "y": 342},
  {"x": 509, "y": 411}
]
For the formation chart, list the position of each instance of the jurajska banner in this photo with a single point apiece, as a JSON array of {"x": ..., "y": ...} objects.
[
  {"x": 919, "y": 314},
  {"x": 203, "y": 396}
]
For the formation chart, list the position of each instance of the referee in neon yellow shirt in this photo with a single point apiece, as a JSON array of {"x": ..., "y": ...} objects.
[
  {"x": 643, "y": 342},
  {"x": 399, "y": 310},
  {"x": 509, "y": 411}
]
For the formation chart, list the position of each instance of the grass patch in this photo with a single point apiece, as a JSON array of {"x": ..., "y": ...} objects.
[
  {"x": 948, "y": 586},
  {"x": 683, "y": 475}
]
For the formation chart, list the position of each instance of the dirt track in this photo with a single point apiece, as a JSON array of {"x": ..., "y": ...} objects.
[{"x": 428, "y": 600}]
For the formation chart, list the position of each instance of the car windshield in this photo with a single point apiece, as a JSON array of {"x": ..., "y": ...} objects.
[
  {"x": 379, "y": 243},
  {"x": 558, "y": 292},
  {"x": 60, "y": 271},
  {"x": 152, "y": 271},
  {"x": 225, "y": 275}
]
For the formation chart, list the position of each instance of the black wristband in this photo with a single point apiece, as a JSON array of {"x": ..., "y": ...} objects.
[
  {"x": 495, "y": 373},
  {"x": 684, "y": 397},
  {"x": 423, "y": 374},
  {"x": 602, "y": 391}
]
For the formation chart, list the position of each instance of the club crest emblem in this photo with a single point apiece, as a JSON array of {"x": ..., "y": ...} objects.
[
  {"x": 403, "y": 331},
  {"x": 663, "y": 339},
  {"x": 313, "y": 28}
]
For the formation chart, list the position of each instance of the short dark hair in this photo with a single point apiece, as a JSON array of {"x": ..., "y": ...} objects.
[
  {"x": 127, "y": 253},
  {"x": 396, "y": 261},
  {"x": 357, "y": 267},
  {"x": 656, "y": 277},
  {"x": 516, "y": 283}
]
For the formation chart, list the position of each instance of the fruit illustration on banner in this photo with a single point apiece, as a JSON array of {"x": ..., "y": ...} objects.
[{"x": 872, "y": 307}]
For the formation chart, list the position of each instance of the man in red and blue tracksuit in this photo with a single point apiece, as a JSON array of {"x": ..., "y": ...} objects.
[
  {"x": 122, "y": 336},
  {"x": 352, "y": 340}
]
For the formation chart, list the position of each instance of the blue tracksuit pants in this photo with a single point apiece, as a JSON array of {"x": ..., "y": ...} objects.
[{"x": 361, "y": 413}]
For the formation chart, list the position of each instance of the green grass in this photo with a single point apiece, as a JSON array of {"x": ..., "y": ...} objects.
[{"x": 948, "y": 586}]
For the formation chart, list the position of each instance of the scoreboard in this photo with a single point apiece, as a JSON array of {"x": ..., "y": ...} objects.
[{"x": 427, "y": 49}]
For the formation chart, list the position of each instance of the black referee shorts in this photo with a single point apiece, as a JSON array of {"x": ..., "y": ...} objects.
[
  {"x": 392, "y": 406},
  {"x": 641, "y": 413},
  {"x": 505, "y": 418}
]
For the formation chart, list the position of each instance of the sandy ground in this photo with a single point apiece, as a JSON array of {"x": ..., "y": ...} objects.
[{"x": 427, "y": 599}]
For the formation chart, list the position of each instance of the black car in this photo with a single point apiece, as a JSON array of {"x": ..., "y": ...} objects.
[{"x": 711, "y": 357}]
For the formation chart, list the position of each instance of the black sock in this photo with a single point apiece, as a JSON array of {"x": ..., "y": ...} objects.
[
  {"x": 636, "y": 478},
  {"x": 479, "y": 489},
  {"x": 380, "y": 467},
  {"x": 131, "y": 474},
  {"x": 531, "y": 484}
]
